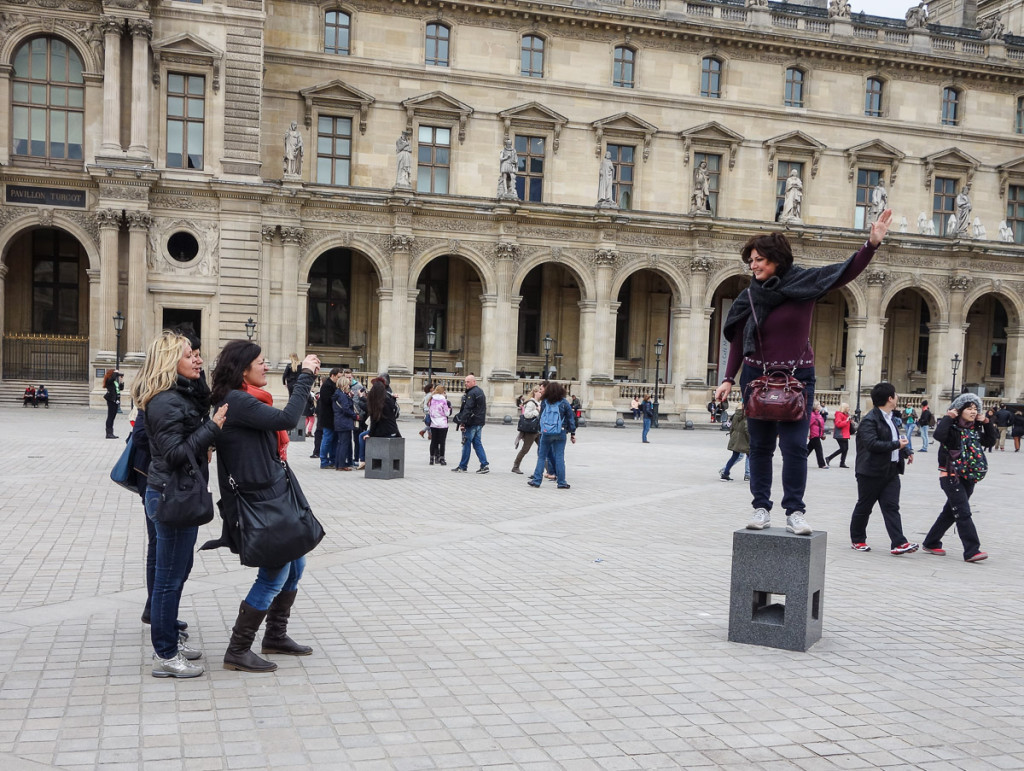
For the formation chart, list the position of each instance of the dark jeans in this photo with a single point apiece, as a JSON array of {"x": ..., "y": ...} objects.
[
  {"x": 885, "y": 491},
  {"x": 111, "y": 412},
  {"x": 175, "y": 547},
  {"x": 814, "y": 445},
  {"x": 150, "y": 560},
  {"x": 342, "y": 449},
  {"x": 473, "y": 442},
  {"x": 956, "y": 511},
  {"x": 791, "y": 439},
  {"x": 327, "y": 459},
  {"x": 844, "y": 447},
  {"x": 550, "y": 449},
  {"x": 438, "y": 441}
]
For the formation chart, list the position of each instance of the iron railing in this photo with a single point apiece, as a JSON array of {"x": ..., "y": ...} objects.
[{"x": 46, "y": 358}]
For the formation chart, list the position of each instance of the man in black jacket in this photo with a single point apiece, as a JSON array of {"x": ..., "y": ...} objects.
[
  {"x": 325, "y": 418},
  {"x": 882, "y": 455},
  {"x": 1004, "y": 419},
  {"x": 471, "y": 419}
]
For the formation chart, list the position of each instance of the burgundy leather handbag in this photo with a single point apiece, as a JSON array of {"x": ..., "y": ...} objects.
[{"x": 775, "y": 395}]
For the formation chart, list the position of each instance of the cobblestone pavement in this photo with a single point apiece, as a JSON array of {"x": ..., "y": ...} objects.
[{"x": 468, "y": 622}]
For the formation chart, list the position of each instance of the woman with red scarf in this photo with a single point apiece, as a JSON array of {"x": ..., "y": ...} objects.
[{"x": 251, "y": 452}]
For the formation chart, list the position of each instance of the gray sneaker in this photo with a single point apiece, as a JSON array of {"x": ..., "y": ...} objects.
[
  {"x": 188, "y": 651},
  {"x": 796, "y": 524},
  {"x": 176, "y": 666},
  {"x": 762, "y": 518}
]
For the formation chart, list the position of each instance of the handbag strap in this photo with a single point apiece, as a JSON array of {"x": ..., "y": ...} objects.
[{"x": 760, "y": 343}]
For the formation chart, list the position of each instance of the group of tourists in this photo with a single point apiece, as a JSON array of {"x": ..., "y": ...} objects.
[{"x": 36, "y": 395}]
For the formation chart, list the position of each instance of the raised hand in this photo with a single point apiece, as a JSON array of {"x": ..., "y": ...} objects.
[
  {"x": 312, "y": 363},
  {"x": 880, "y": 227}
]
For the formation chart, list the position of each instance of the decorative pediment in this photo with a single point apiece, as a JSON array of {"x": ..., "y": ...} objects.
[
  {"x": 711, "y": 134},
  {"x": 877, "y": 152},
  {"x": 186, "y": 48},
  {"x": 794, "y": 143},
  {"x": 1010, "y": 169},
  {"x": 534, "y": 115},
  {"x": 625, "y": 125},
  {"x": 438, "y": 105},
  {"x": 335, "y": 95},
  {"x": 949, "y": 160}
]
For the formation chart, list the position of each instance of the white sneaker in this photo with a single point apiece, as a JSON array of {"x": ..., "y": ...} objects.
[
  {"x": 796, "y": 524},
  {"x": 762, "y": 518},
  {"x": 176, "y": 666},
  {"x": 186, "y": 650}
]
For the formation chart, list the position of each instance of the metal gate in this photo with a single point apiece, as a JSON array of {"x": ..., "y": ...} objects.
[{"x": 46, "y": 358}]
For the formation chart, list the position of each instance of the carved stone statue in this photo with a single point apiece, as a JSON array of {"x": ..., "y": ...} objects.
[
  {"x": 991, "y": 28},
  {"x": 700, "y": 201},
  {"x": 951, "y": 226},
  {"x": 756, "y": 3},
  {"x": 792, "y": 206},
  {"x": 917, "y": 16},
  {"x": 508, "y": 165},
  {"x": 925, "y": 225},
  {"x": 879, "y": 203},
  {"x": 293, "y": 151},
  {"x": 978, "y": 229},
  {"x": 963, "y": 212},
  {"x": 904, "y": 224},
  {"x": 838, "y": 9},
  {"x": 606, "y": 179},
  {"x": 1005, "y": 233},
  {"x": 403, "y": 149}
]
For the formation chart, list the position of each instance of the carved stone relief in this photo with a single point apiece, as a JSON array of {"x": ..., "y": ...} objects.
[{"x": 205, "y": 263}]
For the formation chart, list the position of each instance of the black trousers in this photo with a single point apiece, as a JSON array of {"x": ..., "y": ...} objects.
[
  {"x": 956, "y": 511},
  {"x": 111, "y": 412},
  {"x": 814, "y": 445},
  {"x": 438, "y": 442},
  {"x": 844, "y": 447},
  {"x": 885, "y": 491}
]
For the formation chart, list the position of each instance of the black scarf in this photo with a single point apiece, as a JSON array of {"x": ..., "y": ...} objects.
[{"x": 797, "y": 285}]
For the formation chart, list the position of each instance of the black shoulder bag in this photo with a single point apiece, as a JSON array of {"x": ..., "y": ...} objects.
[{"x": 185, "y": 500}]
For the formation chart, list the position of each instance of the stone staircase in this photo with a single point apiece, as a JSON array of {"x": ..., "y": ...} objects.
[{"x": 62, "y": 394}]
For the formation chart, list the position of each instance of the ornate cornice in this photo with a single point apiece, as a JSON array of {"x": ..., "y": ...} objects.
[
  {"x": 291, "y": 235},
  {"x": 400, "y": 243},
  {"x": 139, "y": 220},
  {"x": 108, "y": 218}
]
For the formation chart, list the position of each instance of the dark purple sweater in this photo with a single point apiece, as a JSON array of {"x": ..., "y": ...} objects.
[{"x": 787, "y": 329}]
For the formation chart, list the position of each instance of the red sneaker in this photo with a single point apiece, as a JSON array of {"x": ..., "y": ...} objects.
[
  {"x": 977, "y": 557},
  {"x": 907, "y": 548},
  {"x": 860, "y": 547},
  {"x": 937, "y": 552}
]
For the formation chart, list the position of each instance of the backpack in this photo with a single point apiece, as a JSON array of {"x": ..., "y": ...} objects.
[
  {"x": 551, "y": 419},
  {"x": 970, "y": 462}
]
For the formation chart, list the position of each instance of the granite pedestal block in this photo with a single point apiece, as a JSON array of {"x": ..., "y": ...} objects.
[
  {"x": 385, "y": 457},
  {"x": 298, "y": 434},
  {"x": 778, "y": 588}
]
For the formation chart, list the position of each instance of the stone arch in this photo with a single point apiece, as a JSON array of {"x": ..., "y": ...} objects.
[
  {"x": 584, "y": 279},
  {"x": 720, "y": 277},
  {"x": 50, "y": 218},
  {"x": 470, "y": 253},
  {"x": 91, "y": 51},
  {"x": 677, "y": 282},
  {"x": 933, "y": 295},
  {"x": 1013, "y": 303},
  {"x": 376, "y": 257}
]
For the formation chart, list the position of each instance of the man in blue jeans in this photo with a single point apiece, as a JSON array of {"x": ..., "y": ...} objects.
[
  {"x": 471, "y": 420},
  {"x": 647, "y": 408},
  {"x": 325, "y": 418}
]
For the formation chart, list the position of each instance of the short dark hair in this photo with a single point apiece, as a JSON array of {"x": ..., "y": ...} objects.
[
  {"x": 924, "y": 403},
  {"x": 554, "y": 392},
  {"x": 335, "y": 371},
  {"x": 774, "y": 247},
  {"x": 232, "y": 363},
  {"x": 882, "y": 392}
]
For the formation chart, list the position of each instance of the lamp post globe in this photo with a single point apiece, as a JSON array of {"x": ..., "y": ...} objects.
[
  {"x": 955, "y": 363},
  {"x": 250, "y": 328},
  {"x": 658, "y": 348},
  {"x": 860, "y": 366},
  {"x": 431, "y": 340}
]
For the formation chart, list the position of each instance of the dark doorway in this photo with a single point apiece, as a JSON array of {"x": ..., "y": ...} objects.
[{"x": 185, "y": 319}]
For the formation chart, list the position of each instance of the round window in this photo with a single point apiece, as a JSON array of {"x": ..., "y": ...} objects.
[{"x": 182, "y": 246}]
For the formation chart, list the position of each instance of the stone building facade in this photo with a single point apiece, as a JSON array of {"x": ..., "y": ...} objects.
[{"x": 149, "y": 166}]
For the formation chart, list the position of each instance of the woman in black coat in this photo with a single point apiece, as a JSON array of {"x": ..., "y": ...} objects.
[
  {"x": 1018, "y": 429},
  {"x": 383, "y": 410},
  {"x": 112, "y": 387}
]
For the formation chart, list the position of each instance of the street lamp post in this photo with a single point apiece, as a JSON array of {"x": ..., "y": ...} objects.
[
  {"x": 250, "y": 328},
  {"x": 658, "y": 348},
  {"x": 955, "y": 361},
  {"x": 860, "y": 366},
  {"x": 548, "y": 340},
  {"x": 118, "y": 327},
  {"x": 431, "y": 339}
]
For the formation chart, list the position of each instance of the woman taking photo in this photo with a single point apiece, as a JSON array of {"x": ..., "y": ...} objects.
[
  {"x": 250, "y": 454},
  {"x": 768, "y": 329},
  {"x": 180, "y": 433},
  {"x": 112, "y": 395},
  {"x": 841, "y": 434}
]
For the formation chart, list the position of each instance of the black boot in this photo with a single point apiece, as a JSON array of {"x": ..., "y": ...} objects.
[
  {"x": 433, "y": 459},
  {"x": 239, "y": 656},
  {"x": 276, "y": 639}
]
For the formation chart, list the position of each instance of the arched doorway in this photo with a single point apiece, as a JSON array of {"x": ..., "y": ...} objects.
[
  {"x": 342, "y": 310},
  {"x": 718, "y": 347},
  {"x": 829, "y": 337},
  {"x": 907, "y": 342},
  {"x": 449, "y": 290},
  {"x": 643, "y": 317},
  {"x": 985, "y": 346},
  {"x": 549, "y": 307},
  {"x": 46, "y": 308}
]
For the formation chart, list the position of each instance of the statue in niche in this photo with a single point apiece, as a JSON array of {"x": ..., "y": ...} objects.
[
  {"x": 293, "y": 151},
  {"x": 979, "y": 229},
  {"x": 951, "y": 225},
  {"x": 917, "y": 16},
  {"x": 606, "y": 181},
  {"x": 925, "y": 225},
  {"x": 904, "y": 224},
  {"x": 838, "y": 9},
  {"x": 963, "y": 212},
  {"x": 508, "y": 161},
  {"x": 1005, "y": 233},
  {"x": 879, "y": 203},
  {"x": 991, "y": 28},
  {"x": 700, "y": 201},
  {"x": 792, "y": 206},
  {"x": 403, "y": 151}
]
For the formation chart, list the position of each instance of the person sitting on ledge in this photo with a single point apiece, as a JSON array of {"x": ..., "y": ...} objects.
[
  {"x": 30, "y": 397},
  {"x": 42, "y": 396}
]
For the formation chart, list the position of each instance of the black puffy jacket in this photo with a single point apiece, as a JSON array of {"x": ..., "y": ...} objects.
[{"x": 179, "y": 428}]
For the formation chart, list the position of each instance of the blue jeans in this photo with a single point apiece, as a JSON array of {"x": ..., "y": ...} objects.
[
  {"x": 924, "y": 438},
  {"x": 270, "y": 582},
  {"x": 175, "y": 548},
  {"x": 791, "y": 439},
  {"x": 473, "y": 440},
  {"x": 647, "y": 426},
  {"x": 732, "y": 462},
  {"x": 343, "y": 448},
  {"x": 327, "y": 458},
  {"x": 362, "y": 446},
  {"x": 552, "y": 449}
]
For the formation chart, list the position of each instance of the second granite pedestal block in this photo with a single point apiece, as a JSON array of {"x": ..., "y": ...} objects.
[{"x": 385, "y": 457}]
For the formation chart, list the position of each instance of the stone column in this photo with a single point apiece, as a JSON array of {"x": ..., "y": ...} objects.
[
  {"x": 695, "y": 353},
  {"x": 112, "y": 28},
  {"x": 141, "y": 31},
  {"x": 95, "y": 319},
  {"x": 588, "y": 330},
  {"x": 291, "y": 324},
  {"x": 109, "y": 221},
  {"x": 3, "y": 307},
  {"x": 604, "y": 317},
  {"x": 873, "y": 338},
  {"x": 855, "y": 342},
  {"x": 398, "y": 355},
  {"x": 1013, "y": 378},
  {"x": 139, "y": 223},
  {"x": 953, "y": 340},
  {"x": 499, "y": 338}
]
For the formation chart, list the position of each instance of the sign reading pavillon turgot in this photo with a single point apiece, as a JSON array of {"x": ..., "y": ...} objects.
[{"x": 45, "y": 196}]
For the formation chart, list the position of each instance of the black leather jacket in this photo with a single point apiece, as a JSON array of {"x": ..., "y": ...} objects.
[
  {"x": 179, "y": 427},
  {"x": 474, "y": 408}
]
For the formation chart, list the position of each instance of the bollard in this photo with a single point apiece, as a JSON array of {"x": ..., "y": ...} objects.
[{"x": 385, "y": 457}]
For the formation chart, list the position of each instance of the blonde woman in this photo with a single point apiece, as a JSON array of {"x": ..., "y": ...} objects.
[
  {"x": 842, "y": 434},
  {"x": 438, "y": 410},
  {"x": 530, "y": 420},
  {"x": 177, "y": 407},
  {"x": 291, "y": 372}
]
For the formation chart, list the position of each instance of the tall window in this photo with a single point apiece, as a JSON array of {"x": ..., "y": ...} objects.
[
  {"x": 48, "y": 98},
  {"x": 438, "y": 36},
  {"x": 337, "y": 30},
  {"x": 432, "y": 304},
  {"x": 997, "y": 354},
  {"x": 711, "y": 77},
  {"x": 873, "y": 98},
  {"x": 867, "y": 179},
  {"x": 531, "y": 57},
  {"x": 923, "y": 338},
  {"x": 186, "y": 113},
  {"x": 950, "y": 107},
  {"x": 714, "y": 163},
  {"x": 433, "y": 159},
  {"x": 530, "y": 175},
  {"x": 623, "y": 161},
  {"x": 943, "y": 203},
  {"x": 1018, "y": 121},
  {"x": 334, "y": 151},
  {"x": 529, "y": 313},
  {"x": 54, "y": 283},
  {"x": 794, "y": 87},
  {"x": 1015, "y": 212},
  {"x": 623, "y": 67},
  {"x": 330, "y": 283},
  {"x": 622, "y": 319},
  {"x": 782, "y": 171}
]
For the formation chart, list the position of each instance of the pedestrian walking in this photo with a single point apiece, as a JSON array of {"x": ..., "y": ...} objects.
[
  {"x": 817, "y": 432},
  {"x": 438, "y": 410},
  {"x": 962, "y": 436},
  {"x": 1004, "y": 421},
  {"x": 841, "y": 433},
  {"x": 739, "y": 445},
  {"x": 1018, "y": 429},
  {"x": 647, "y": 410},
  {"x": 925, "y": 423},
  {"x": 556, "y": 421},
  {"x": 529, "y": 427},
  {"x": 471, "y": 419}
]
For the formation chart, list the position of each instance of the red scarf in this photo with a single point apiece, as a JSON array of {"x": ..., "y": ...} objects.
[{"x": 266, "y": 398}]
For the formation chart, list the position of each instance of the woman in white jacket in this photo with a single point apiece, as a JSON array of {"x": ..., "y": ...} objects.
[
  {"x": 530, "y": 419},
  {"x": 438, "y": 409}
]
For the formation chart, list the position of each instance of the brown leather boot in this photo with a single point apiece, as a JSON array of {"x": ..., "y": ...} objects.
[
  {"x": 276, "y": 639},
  {"x": 239, "y": 655}
]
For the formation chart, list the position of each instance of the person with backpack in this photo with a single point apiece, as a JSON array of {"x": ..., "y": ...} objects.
[
  {"x": 962, "y": 439},
  {"x": 925, "y": 423},
  {"x": 556, "y": 420},
  {"x": 647, "y": 410}
]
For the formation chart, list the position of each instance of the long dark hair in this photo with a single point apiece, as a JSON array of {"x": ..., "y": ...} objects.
[
  {"x": 375, "y": 398},
  {"x": 232, "y": 363},
  {"x": 554, "y": 392}
]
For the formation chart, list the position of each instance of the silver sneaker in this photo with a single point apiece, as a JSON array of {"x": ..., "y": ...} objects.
[
  {"x": 762, "y": 518},
  {"x": 176, "y": 666},
  {"x": 188, "y": 651},
  {"x": 796, "y": 524}
]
